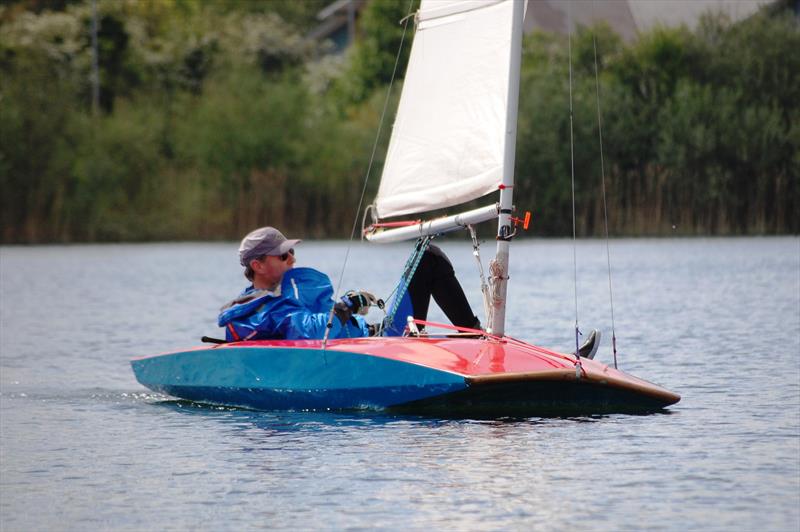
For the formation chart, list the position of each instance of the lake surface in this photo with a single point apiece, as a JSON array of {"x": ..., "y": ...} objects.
[{"x": 83, "y": 446}]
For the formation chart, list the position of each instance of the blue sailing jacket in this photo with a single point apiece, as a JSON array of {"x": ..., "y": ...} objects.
[{"x": 298, "y": 311}]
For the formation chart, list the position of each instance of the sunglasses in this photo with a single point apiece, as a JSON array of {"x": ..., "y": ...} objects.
[{"x": 285, "y": 256}]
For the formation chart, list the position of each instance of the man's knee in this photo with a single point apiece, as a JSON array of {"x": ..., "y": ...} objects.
[{"x": 438, "y": 261}]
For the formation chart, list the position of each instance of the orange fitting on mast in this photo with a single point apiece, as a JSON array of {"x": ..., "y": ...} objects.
[{"x": 524, "y": 221}]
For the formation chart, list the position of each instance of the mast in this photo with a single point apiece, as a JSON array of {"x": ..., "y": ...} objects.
[{"x": 504, "y": 229}]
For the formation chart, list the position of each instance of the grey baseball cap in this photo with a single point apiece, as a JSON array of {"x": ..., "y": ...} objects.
[{"x": 264, "y": 241}]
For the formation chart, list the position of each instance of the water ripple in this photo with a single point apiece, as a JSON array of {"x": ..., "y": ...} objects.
[{"x": 82, "y": 446}]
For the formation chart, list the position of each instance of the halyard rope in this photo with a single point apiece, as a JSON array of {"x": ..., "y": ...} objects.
[
  {"x": 605, "y": 205},
  {"x": 574, "y": 232},
  {"x": 369, "y": 169},
  {"x": 488, "y": 307}
]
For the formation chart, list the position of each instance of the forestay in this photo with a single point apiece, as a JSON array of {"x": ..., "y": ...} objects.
[{"x": 449, "y": 136}]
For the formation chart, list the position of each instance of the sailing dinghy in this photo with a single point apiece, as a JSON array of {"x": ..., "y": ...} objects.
[{"x": 453, "y": 141}]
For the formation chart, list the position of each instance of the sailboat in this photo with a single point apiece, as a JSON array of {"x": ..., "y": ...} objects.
[{"x": 453, "y": 141}]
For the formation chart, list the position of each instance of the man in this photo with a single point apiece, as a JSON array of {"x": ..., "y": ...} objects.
[{"x": 284, "y": 302}]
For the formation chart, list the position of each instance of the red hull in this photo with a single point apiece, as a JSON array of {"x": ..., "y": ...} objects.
[{"x": 489, "y": 361}]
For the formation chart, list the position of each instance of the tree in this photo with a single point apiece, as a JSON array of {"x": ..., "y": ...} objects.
[{"x": 380, "y": 35}]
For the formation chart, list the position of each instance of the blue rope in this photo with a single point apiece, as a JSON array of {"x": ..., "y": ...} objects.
[{"x": 408, "y": 273}]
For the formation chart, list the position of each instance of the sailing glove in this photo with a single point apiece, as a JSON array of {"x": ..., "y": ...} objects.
[
  {"x": 342, "y": 312},
  {"x": 359, "y": 301},
  {"x": 375, "y": 329}
]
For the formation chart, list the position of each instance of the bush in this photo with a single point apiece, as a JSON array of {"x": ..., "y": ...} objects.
[{"x": 216, "y": 118}]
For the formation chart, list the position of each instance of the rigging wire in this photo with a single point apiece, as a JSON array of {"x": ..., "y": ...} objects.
[
  {"x": 404, "y": 21},
  {"x": 605, "y": 204},
  {"x": 574, "y": 231},
  {"x": 488, "y": 306}
]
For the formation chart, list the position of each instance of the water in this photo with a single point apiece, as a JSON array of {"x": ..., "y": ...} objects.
[{"x": 83, "y": 446}]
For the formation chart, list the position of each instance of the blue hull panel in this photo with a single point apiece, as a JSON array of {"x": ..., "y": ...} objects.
[
  {"x": 327, "y": 399},
  {"x": 278, "y": 378}
]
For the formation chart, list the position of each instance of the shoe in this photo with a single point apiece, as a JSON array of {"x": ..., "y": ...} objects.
[{"x": 589, "y": 347}]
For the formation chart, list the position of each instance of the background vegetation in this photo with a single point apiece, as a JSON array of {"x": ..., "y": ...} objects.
[{"x": 216, "y": 117}]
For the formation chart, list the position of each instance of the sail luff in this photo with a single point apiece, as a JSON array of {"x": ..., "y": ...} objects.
[{"x": 504, "y": 229}]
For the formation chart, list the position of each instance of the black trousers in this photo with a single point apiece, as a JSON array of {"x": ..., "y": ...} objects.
[{"x": 435, "y": 277}]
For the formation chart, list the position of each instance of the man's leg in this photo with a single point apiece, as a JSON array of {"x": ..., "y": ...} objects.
[{"x": 435, "y": 277}]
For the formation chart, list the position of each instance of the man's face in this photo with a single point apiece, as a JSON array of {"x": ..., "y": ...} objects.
[{"x": 271, "y": 268}]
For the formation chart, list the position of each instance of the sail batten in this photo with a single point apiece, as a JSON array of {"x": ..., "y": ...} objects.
[{"x": 448, "y": 140}]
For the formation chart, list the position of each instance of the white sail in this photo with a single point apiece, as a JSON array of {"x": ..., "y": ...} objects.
[{"x": 448, "y": 141}]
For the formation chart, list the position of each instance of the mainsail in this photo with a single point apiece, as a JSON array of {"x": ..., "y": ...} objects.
[{"x": 448, "y": 141}]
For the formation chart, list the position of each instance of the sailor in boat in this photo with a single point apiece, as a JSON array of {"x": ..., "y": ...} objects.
[{"x": 285, "y": 302}]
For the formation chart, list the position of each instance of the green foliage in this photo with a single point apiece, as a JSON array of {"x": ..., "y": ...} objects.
[
  {"x": 36, "y": 136},
  {"x": 375, "y": 54},
  {"x": 218, "y": 117},
  {"x": 699, "y": 130},
  {"x": 112, "y": 169},
  {"x": 302, "y": 15}
]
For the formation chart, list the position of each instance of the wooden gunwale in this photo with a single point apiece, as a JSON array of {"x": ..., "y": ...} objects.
[{"x": 568, "y": 374}]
